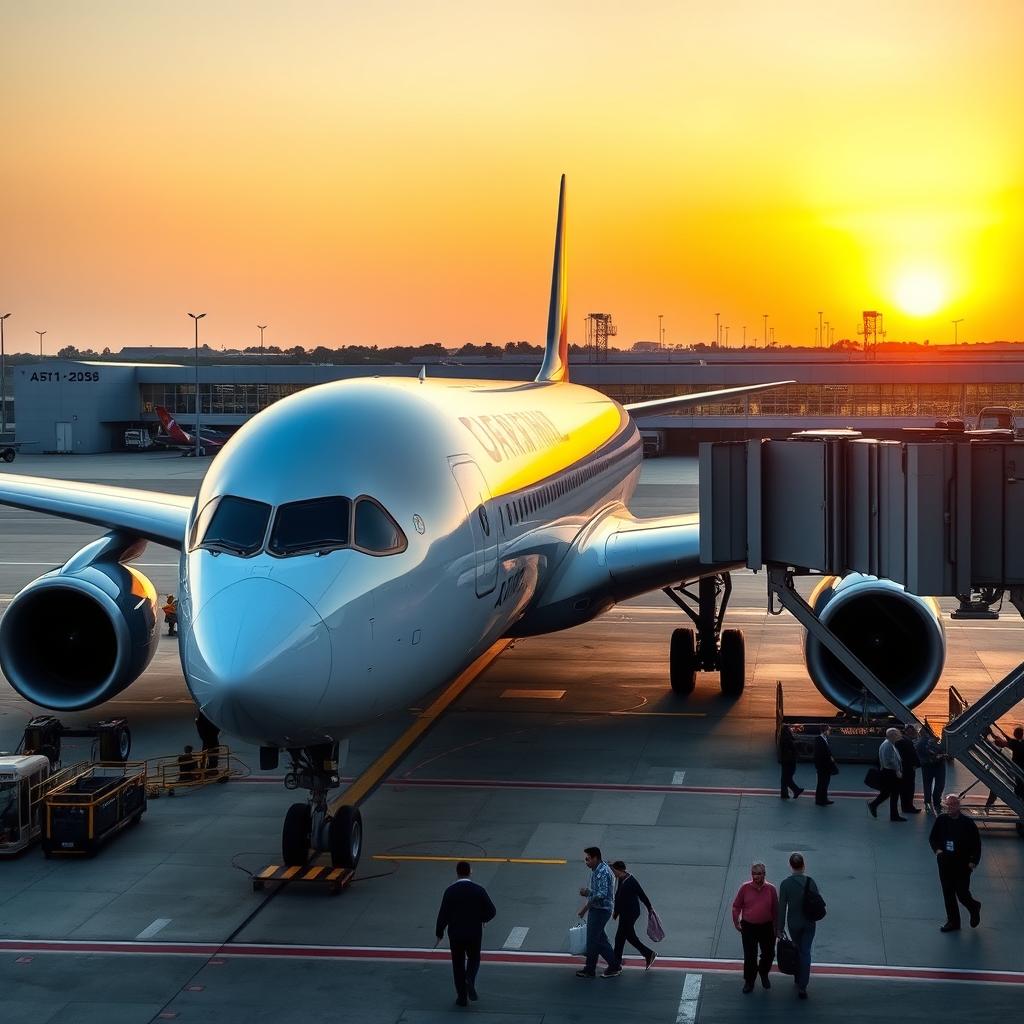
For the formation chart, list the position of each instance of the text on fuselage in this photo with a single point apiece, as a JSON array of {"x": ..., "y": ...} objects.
[{"x": 511, "y": 434}]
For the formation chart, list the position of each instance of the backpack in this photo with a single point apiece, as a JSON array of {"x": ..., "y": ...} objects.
[{"x": 813, "y": 906}]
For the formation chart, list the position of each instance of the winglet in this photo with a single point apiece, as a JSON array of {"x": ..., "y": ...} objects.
[{"x": 556, "y": 353}]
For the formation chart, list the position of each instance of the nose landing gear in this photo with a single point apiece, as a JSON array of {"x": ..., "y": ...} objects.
[
  {"x": 712, "y": 648},
  {"x": 314, "y": 825}
]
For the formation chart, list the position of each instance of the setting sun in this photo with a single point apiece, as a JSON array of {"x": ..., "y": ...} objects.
[{"x": 921, "y": 292}]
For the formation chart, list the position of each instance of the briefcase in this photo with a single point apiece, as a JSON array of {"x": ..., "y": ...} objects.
[
  {"x": 786, "y": 955},
  {"x": 873, "y": 777}
]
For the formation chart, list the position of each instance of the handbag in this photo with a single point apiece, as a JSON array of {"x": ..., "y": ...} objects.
[
  {"x": 813, "y": 904},
  {"x": 786, "y": 955},
  {"x": 873, "y": 778},
  {"x": 655, "y": 929},
  {"x": 578, "y": 939}
]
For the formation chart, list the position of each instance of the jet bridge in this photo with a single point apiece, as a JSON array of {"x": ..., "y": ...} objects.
[{"x": 939, "y": 514}]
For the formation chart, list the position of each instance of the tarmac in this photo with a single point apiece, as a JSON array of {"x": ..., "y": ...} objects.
[{"x": 563, "y": 742}]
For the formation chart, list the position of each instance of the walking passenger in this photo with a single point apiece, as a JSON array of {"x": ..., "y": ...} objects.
[
  {"x": 792, "y": 919},
  {"x": 1016, "y": 748},
  {"x": 957, "y": 846},
  {"x": 629, "y": 894},
  {"x": 465, "y": 909},
  {"x": 933, "y": 769},
  {"x": 754, "y": 912},
  {"x": 597, "y": 910},
  {"x": 825, "y": 765},
  {"x": 892, "y": 773},
  {"x": 908, "y": 757},
  {"x": 787, "y": 759}
]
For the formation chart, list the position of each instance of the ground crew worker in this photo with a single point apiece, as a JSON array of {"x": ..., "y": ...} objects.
[
  {"x": 171, "y": 614},
  {"x": 188, "y": 766}
]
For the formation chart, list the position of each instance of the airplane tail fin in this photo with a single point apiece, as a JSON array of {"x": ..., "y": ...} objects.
[
  {"x": 556, "y": 353},
  {"x": 170, "y": 425}
]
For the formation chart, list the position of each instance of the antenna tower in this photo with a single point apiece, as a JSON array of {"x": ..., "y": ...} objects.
[{"x": 599, "y": 329}]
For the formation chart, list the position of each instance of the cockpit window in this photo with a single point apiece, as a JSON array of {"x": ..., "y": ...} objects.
[
  {"x": 235, "y": 525},
  {"x": 376, "y": 531},
  {"x": 301, "y": 527}
]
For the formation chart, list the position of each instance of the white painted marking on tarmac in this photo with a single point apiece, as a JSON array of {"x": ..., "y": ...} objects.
[
  {"x": 157, "y": 926},
  {"x": 516, "y": 938},
  {"x": 678, "y": 778},
  {"x": 534, "y": 694},
  {"x": 689, "y": 999}
]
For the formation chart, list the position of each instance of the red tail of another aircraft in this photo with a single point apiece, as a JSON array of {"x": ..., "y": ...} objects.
[{"x": 170, "y": 425}]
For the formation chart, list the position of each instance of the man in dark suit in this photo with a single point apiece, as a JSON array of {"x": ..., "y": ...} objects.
[
  {"x": 629, "y": 894},
  {"x": 825, "y": 765},
  {"x": 465, "y": 909}
]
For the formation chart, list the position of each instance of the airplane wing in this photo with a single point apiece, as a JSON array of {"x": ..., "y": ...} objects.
[
  {"x": 699, "y": 397},
  {"x": 152, "y": 515}
]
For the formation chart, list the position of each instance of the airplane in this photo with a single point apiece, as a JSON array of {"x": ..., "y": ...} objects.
[
  {"x": 175, "y": 436},
  {"x": 356, "y": 546}
]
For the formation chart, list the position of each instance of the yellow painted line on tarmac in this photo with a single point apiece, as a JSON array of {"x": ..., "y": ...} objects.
[
  {"x": 362, "y": 787},
  {"x": 473, "y": 860}
]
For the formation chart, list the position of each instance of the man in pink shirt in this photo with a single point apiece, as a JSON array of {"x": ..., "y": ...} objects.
[{"x": 753, "y": 913}]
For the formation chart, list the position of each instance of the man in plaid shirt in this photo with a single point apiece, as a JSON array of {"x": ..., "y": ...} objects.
[{"x": 598, "y": 910}]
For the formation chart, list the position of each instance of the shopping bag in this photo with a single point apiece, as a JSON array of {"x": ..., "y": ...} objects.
[
  {"x": 655, "y": 930},
  {"x": 786, "y": 955},
  {"x": 578, "y": 939},
  {"x": 873, "y": 778}
]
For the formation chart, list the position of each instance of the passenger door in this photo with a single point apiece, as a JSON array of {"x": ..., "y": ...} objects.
[{"x": 482, "y": 521}]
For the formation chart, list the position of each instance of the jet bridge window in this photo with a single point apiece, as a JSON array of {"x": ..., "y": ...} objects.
[
  {"x": 303, "y": 527},
  {"x": 235, "y": 525},
  {"x": 376, "y": 532}
]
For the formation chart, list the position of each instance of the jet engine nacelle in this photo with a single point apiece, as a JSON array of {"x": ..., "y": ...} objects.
[
  {"x": 899, "y": 636},
  {"x": 79, "y": 635}
]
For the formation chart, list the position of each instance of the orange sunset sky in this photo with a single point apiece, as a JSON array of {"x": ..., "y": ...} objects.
[{"x": 387, "y": 173}]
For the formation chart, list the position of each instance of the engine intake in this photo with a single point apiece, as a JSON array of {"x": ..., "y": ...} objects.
[
  {"x": 899, "y": 636},
  {"x": 79, "y": 635}
]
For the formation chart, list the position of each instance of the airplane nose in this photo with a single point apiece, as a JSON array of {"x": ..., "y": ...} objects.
[{"x": 258, "y": 658}]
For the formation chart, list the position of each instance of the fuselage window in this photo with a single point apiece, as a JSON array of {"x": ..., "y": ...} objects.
[
  {"x": 484, "y": 521},
  {"x": 234, "y": 525},
  {"x": 302, "y": 527},
  {"x": 376, "y": 532}
]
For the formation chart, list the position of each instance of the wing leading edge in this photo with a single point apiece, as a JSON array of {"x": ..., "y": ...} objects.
[
  {"x": 698, "y": 397},
  {"x": 152, "y": 515}
]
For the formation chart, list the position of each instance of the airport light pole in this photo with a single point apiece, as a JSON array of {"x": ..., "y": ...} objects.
[
  {"x": 744, "y": 335},
  {"x": 3, "y": 377},
  {"x": 765, "y": 315},
  {"x": 726, "y": 329},
  {"x": 821, "y": 341},
  {"x": 955, "y": 322},
  {"x": 262, "y": 328},
  {"x": 40, "y": 333},
  {"x": 718, "y": 331},
  {"x": 197, "y": 317},
  {"x": 661, "y": 331}
]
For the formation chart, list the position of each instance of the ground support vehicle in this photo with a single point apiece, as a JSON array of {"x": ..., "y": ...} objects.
[
  {"x": 25, "y": 781},
  {"x": 83, "y": 813}
]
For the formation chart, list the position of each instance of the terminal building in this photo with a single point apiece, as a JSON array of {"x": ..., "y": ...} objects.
[{"x": 87, "y": 407}]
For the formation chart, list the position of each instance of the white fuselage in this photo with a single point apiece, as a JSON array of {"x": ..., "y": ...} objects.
[{"x": 490, "y": 484}]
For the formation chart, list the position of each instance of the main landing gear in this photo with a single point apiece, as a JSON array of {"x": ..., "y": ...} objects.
[
  {"x": 710, "y": 648},
  {"x": 314, "y": 826}
]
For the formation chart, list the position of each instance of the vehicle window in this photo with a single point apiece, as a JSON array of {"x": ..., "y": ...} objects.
[
  {"x": 301, "y": 527},
  {"x": 235, "y": 525},
  {"x": 376, "y": 531}
]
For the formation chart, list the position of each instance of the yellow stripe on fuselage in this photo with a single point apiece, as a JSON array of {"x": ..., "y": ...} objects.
[{"x": 532, "y": 433}]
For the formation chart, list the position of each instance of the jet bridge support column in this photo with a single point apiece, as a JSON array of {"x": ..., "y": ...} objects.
[{"x": 780, "y": 585}]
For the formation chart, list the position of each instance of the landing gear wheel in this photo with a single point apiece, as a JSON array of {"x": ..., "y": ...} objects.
[
  {"x": 296, "y": 835},
  {"x": 345, "y": 837},
  {"x": 682, "y": 662},
  {"x": 732, "y": 662},
  {"x": 1020, "y": 829},
  {"x": 8, "y": 455}
]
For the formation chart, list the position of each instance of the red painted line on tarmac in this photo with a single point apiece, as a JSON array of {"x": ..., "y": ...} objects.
[
  {"x": 878, "y": 972},
  {"x": 598, "y": 787}
]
